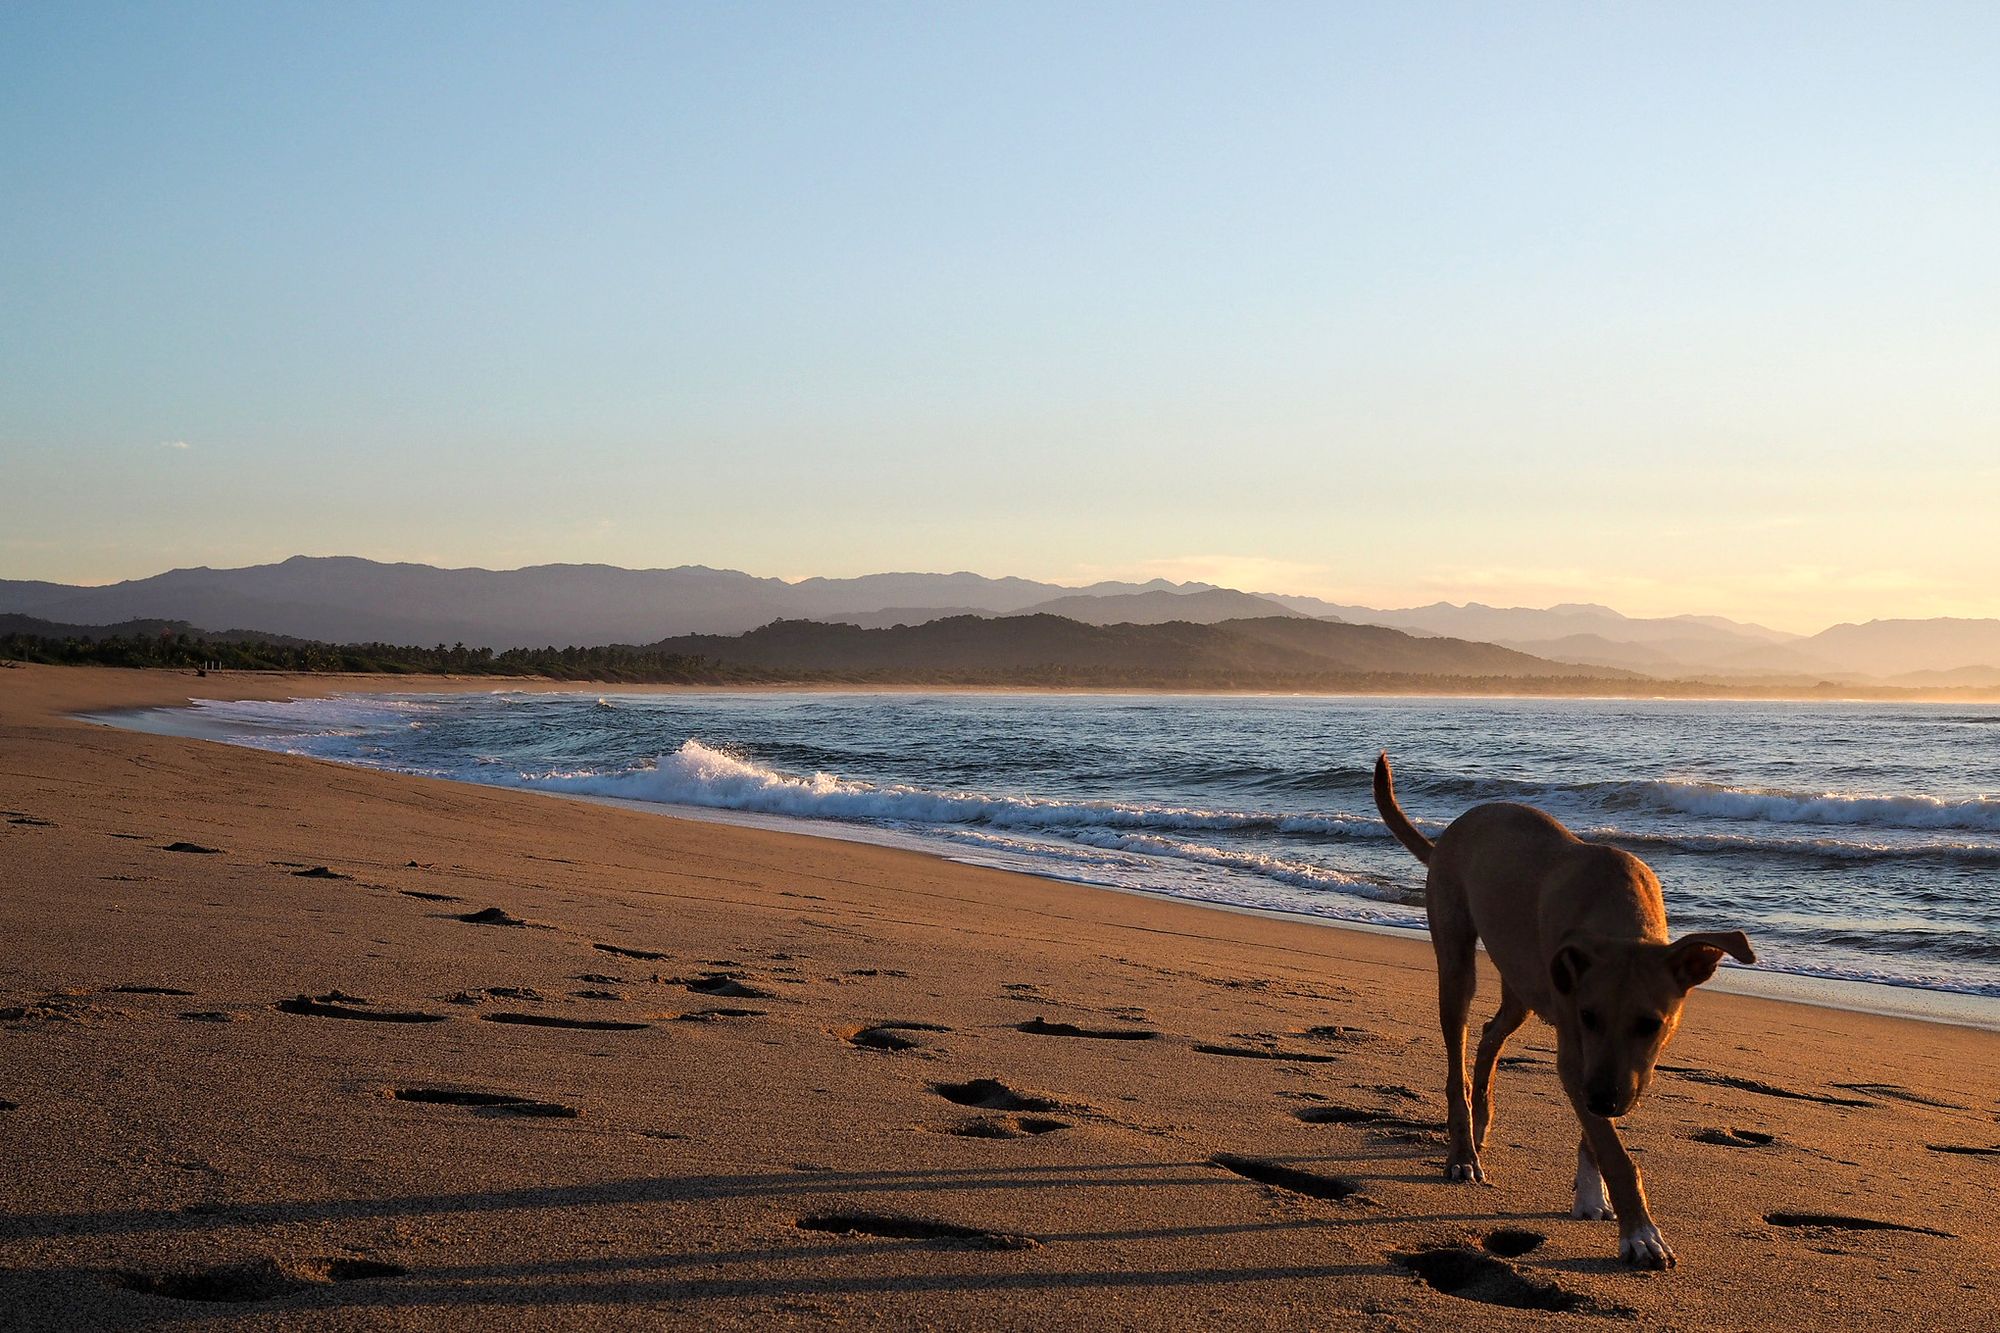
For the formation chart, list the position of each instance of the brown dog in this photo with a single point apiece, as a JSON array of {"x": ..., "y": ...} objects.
[{"x": 1578, "y": 934}]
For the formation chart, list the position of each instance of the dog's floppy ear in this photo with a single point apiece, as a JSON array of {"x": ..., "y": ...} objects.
[
  {"x": 1569, "y": 964},
  {"x": 1692, "y": 959}
]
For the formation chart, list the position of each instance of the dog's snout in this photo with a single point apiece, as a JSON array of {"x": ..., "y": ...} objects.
[{"x": 1603, "y": 1097}]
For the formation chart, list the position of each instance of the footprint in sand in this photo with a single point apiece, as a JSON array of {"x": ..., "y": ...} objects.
[
  {"x": 1338, "y": 1032},
  {"x": 148, "y": 990},
  {"x": 894, "y": 1036},
  {"x": 31, "y": 821},
  {"x": 1714, "y": 1079},
  {"x": 1292, "y": 1179},
  {"x": 1897, "y": 1092},
  {"x": 494, "y": 1103},
  {"x": 336, "y": 1005},
  {"x": 1264, "y": 1053},
  {"x": 890, "y": 1226},
  {"x": 1041, "y": 1027},
  {"x": 721, "y": 983},
  {"x": 429, "y": 897},
  {"x": 1964, "y": 1149},
  {"x": 990, "y": 1094},
  {"x": 1470, "y": 1275},
  {"x": 1843, "y": 1222},
  {"x": 1513, "y": 1242},
  {"x": 553, "y": 1021},
  {"x": 1008, "y": 1127},
  {"x": 621, "y": 951},
  {"x": 1734, "y": 1138},
  {"x": 193, "y": 847},
  {"x": 528, "y": 993},
  {"x": 319, "y": 872},
  {"x": 257, "y": 1280},
  {"x": 1381, "y": 1124},
  {"x": 715, "y": 1015},
  {"x": 495, "y": 916},
  {"x": 61, "y": 1007}
]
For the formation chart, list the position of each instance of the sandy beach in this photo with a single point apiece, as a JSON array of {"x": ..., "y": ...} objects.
[{"x": 307, "y": 1046}]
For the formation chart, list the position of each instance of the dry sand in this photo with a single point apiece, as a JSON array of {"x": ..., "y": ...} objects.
[{"x": 778, "y": 1080}]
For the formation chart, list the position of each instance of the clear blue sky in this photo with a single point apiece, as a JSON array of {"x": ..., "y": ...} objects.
[{"x": 1677, "y": 307}]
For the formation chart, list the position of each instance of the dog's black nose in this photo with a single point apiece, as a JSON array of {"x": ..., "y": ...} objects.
[{"x": 1603, "y": 1106}]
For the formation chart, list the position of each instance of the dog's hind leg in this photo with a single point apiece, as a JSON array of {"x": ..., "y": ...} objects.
[
  {"x": 1492, "y": 1039},
  {"x": 1455, "y": 944}
]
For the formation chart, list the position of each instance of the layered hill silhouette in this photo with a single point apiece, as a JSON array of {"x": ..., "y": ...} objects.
[
  {"x": 1279, "y": 647},
  {"x": 345, "y": 599},
  {"x": 36, "y": 627}
]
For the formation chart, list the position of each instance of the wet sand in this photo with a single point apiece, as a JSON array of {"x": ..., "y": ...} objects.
[{"x": 309, "y": 1046}]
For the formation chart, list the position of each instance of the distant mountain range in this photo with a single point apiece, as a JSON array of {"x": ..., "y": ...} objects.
[
  {"x": 36, "y": 627},
  {"x": 345, "y": 599},
  {"x": 1297, "y": 649}
]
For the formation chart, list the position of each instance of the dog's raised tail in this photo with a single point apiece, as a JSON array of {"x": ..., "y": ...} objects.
[{"x": 1392, "y": 814}]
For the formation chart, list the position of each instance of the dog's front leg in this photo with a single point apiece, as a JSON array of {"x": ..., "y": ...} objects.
[
  {"x": 1590, "y": 1204},
  {"x": 1639, "y": 1241}
]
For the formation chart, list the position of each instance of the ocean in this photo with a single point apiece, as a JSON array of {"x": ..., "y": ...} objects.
[{"x": 1852, "y": 841}]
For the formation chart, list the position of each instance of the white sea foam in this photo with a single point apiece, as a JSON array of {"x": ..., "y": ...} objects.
[
  {"x": 1980, "y": 813},
  {"x": 1833, "y": 849},
  {"x": 1285, "y": 870},
  {"x": 1144, "y": 862},
  {"x": 698, "y": 774}
]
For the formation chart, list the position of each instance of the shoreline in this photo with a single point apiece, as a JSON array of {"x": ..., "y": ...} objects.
[{"x": 1848, "y": 994}]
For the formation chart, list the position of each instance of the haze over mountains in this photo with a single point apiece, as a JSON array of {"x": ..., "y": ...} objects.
[{"x": 348, "y": 599}]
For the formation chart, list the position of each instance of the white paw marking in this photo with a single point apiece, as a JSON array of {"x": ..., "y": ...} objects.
[
  {"x": 1646, "y": 1248},
  {"x": 1591, "y": 1205},
  {"x": 1468, "y": 1172}
]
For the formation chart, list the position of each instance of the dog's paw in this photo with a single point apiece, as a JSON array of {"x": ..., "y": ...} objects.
[
  {"x": 1465, "y": 1172},
  {"x": 1590, "y": 1204},
  {"x": 1644, "y": 1247}
]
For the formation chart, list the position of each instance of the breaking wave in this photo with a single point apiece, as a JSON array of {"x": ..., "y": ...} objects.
[
  {"x": 698, "y": 774},
  {"x": 1975, "y": 814}
]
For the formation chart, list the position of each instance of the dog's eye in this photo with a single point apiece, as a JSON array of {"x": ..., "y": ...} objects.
[
  {"x": 1589, "y": 1019},
  {"x": 1646, "y": 1027}
]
